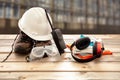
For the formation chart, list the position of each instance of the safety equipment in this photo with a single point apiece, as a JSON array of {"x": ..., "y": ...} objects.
[
  {"x": 83, "y": 44},
  {"x": 37, "y": 24},
  {"x": 23, "y": 44},
  {"x": 39, "y": 52},
  {"x": 34, "y": 23},
  {"x": 57, "y": 36}
]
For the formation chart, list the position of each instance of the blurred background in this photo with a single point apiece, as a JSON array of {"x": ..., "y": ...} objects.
[{"x": 71, "y": 16}]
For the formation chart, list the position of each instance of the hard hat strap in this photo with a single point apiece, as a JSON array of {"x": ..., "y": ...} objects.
[
  {"x": 57, "y": 36},
  {"x": 49, "y": 20}
]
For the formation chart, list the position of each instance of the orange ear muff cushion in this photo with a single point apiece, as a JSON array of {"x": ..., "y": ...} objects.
[{"x": 97, "y": 49}]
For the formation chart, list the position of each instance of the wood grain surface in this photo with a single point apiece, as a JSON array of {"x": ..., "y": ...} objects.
[{"x": 63, "y": 67}]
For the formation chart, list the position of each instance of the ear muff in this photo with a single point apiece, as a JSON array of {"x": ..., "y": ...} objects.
[
  {"x": 82, "y": 43},
  {"x": 97, "y": 49},
  {"x": 97, "y": 52}
]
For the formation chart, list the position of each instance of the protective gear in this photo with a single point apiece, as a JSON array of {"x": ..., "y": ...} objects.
[
  {"x": 35, "y": 24},
  {"x": 41, "y": 50},
  {"x": 23, "y": 44},
  {"x": 82, "y": 46},
  {"x": 57, "y": 36}
]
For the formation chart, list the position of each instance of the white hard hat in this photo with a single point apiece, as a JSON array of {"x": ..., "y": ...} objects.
[{"x": 34, "y": 23}]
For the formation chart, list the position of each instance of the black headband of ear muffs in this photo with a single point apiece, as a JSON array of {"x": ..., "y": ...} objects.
[{"x": 83, "y": 46}]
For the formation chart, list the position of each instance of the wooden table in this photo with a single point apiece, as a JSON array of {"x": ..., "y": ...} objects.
[{"x": 105, "y": 68}]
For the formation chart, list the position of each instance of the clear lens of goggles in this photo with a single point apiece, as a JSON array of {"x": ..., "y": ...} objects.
[{"x": 39, "y": 52}]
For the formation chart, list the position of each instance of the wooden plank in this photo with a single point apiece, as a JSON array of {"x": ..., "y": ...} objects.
[
  {"x": 21, "y": 58},
  {"x": 67, "y": 36},
  {"x": 12, "y": 57},
  {"x": 60, "y": 76},
  {"x": 59, "y": 66},
  {"x": 115, "y": 48},
  {"x": 105, "y": 36},
  {"x": 114, "y": 37},
  {"x": 109, "y": 41},
  {"x": 65, "y": 57},
  {"x": 7, "y": 36},
  {"x": 106, "y": 67},
  {"x": 6, "y": 42}
]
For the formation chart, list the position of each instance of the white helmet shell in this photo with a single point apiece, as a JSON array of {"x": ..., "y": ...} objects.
[{"x": 34, "y": 23}]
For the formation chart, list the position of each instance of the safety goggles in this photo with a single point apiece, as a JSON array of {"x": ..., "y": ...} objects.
[{"x": 39, "y": 52}]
